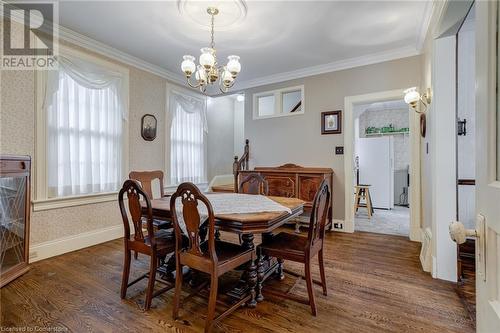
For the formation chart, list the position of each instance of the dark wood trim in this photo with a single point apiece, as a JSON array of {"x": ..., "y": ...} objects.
[
  {"x": 423, "y": 125},
  {"x": 295, "y": 108},
  {"x": 241, "y": 164},
  {"x": 466, "y": 182}
]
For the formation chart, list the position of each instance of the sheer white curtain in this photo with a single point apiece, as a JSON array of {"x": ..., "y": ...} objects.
[
  {"x": 188, "y": 119},
  {"x": 85, "y": 114}
]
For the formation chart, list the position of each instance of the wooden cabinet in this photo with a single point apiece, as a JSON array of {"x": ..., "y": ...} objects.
[
  {"x": 14, "y": 216},
  {"x": 294, "y": 181},
  {"x": 281, "y": 185}
]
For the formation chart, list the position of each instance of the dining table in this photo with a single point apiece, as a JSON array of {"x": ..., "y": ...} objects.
[{"x": 248, "y": 225}]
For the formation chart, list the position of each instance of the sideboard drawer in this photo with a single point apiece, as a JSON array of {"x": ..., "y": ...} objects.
[
  {"x": 280, "y": 185},
  {"x": 308, "y": 185}
]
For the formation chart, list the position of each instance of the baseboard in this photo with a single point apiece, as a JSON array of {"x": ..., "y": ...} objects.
[
  {"x": 72, "y": 243},
  {"x": 426, "y": 250},
  {"x": 434, "y": 267},
  {"x": 417, "y": 235}
]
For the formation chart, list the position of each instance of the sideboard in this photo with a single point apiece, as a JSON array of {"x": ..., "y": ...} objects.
[
  {"x": 294, "y": 181},
  {"x": 14, "y": 216}
]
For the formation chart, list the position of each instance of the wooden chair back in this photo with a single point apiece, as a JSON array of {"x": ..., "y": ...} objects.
[
  {"x": 319, "y": 215},
  {"x": 146, "y": 179},
  {"x": 134, "y": 193},
  {"x": 253, "y": 183},
  {"x": 190, "y": 197}
]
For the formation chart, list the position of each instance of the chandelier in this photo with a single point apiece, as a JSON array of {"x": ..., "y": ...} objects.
[{"x": 208, "y": 72}]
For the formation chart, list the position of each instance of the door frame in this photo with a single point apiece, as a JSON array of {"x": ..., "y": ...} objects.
[
  {"x": 487, "y": 177},
  {"x": 414, "y": 195}
]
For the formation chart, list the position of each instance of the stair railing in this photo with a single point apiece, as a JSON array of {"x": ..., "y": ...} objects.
[{"x": 241, "y": 164}]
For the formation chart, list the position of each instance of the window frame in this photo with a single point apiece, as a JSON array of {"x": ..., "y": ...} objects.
[
  {"x": 41, "y": 200},
  {"x": 174, "y": 89},
  {"x": 278, "y": 102}
]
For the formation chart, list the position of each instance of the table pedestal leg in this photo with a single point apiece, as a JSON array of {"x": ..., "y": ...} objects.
[
  {"x": 280, "y": 272},
  {"x": 251, "y": 271},
  {"x": 260, "y": 276},
  {"x": 261, "y": 269}
]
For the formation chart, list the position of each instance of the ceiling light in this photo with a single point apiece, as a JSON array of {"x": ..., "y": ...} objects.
[{"x": 208, "y": 71}]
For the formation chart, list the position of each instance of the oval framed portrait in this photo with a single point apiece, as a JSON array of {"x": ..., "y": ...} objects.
[{"x": 148, "y": 127}]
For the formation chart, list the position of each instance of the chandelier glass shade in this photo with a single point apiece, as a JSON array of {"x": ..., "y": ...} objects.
[{"x": 208, "y": 72}]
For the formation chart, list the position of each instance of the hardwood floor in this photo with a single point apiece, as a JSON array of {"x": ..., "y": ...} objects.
[
  {"x": 375, "y": 284},
  {"x": 466, "y": 287}
]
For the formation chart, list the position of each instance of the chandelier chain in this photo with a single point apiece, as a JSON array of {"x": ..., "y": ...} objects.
[{"x": 212, "y": 43}]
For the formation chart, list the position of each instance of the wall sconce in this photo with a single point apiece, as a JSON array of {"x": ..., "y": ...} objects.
[{"x": 412, "y": 97}]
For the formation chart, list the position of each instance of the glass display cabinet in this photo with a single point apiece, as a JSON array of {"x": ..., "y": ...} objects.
[{"x": 14, "y": 216}]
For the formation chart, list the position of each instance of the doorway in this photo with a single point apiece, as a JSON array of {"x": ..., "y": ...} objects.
[
  {"x": 413, "y": 194},
  {"x": 466, "y": 167},
  {"x": 382, "y": 167}
]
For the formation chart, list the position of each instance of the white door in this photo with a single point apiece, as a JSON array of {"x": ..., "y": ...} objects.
[
  {"x": 487, "y": 168},
  {"x": 376, "y": 168}
]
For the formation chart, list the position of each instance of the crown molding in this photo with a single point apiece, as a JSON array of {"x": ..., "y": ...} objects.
[
  {"x": 370, "y": 59},
  {"x": 91, "y": 44},
  {"x": 425, "y": 22},
  {"x": 431, "y": 8},
  {"x": 78, "y": 39},
  {"x": 438, "y": 10}
]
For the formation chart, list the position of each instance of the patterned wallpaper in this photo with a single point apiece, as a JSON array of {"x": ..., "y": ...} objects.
[{"x": 17, "y": 136}]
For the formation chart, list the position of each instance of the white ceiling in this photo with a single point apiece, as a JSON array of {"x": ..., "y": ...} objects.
[{"x": 276, "y": 38}]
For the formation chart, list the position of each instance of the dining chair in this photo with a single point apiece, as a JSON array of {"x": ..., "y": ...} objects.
[
  {"x": 156, "y": 244},
  {"x": 253, "y": 183},
  {"x": 146, "y": 178},
  {"x": 286, "y": 246},
  {"x": 213, "y": 257}
]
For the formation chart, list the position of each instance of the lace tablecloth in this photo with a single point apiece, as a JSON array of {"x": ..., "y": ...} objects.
[{"x": 232, "y": 203}]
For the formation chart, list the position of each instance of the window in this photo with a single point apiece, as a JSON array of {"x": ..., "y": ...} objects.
[
  {"x": 81, "y": 130},
  {"x": 266, "y": 105},
  {"x": 188, "y": 129},
  {"x": 278, "y": 103}
]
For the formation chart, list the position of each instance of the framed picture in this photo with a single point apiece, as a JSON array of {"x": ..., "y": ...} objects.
[
  {"x": 148, "y": 127},
  {"x": 331, "y": 122}
]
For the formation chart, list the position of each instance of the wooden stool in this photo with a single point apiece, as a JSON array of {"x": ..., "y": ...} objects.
[{"x": 363, "y": 192}]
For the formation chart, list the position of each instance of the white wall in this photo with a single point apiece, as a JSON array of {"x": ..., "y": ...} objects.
[
  {"x": 438, "y": 148},
  {"x": 297, "y": 139},
  {"x": 443, "y": 167},
  {"x": 239, "y": 127},
  {"x": 220, "y": 137},
  {"x": 466, "y": 110}
]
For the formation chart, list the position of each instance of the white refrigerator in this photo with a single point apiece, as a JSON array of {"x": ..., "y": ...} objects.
[{"x": 376, "y": 168}]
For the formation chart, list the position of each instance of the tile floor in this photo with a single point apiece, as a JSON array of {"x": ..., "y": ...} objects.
[{"x": 391, "y": 222}]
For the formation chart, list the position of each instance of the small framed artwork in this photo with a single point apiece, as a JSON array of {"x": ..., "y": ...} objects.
[
  {"x": 331, "y": 122},
  {"x": 148, "y": 127}
]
